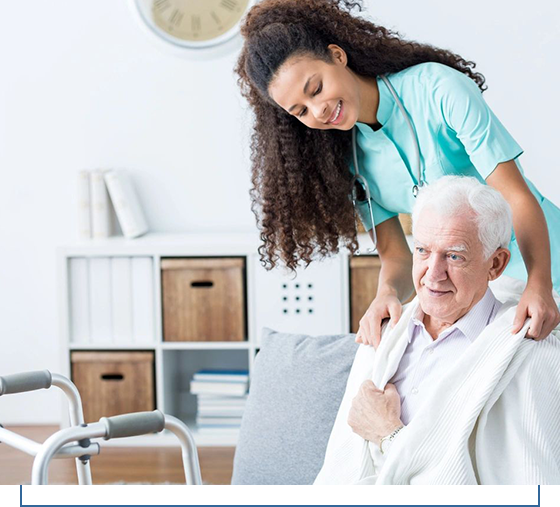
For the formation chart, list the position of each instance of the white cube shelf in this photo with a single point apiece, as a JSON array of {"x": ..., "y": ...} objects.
[{"x": 110, "y": 299}]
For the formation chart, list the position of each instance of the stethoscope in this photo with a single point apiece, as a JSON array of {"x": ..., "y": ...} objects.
[{"x": 358, "y": 178}]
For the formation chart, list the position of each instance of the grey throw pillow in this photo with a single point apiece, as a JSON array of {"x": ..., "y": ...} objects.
[{"x": 297, "y": 385}]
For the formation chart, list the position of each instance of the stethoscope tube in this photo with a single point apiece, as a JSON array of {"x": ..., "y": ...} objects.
[
  {"x": 419, "y": 176},
  {"x": 416, "y": 144}
]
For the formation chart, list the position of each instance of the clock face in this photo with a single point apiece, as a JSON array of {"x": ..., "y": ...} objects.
[{"x": 194, "y": 21}]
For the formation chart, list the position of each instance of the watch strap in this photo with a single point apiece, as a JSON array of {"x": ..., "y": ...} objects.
[{"x": 389, "y": 438}]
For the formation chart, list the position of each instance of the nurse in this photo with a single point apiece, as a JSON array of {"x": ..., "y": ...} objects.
[{"x": 314, "y": 76}]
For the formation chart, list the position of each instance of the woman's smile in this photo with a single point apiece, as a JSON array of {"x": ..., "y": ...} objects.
[{"x": 337, "y": 115}]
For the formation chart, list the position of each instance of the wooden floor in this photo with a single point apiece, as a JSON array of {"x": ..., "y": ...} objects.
[{"x": 126, "y": 464}]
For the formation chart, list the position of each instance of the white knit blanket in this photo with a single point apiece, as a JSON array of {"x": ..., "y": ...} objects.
[{"x": 494, "y": 419}]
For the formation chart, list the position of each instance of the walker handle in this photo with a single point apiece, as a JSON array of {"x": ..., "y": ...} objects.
[
  {"x": 27, "y": 381},
  {"x": 131, "y": 425}
]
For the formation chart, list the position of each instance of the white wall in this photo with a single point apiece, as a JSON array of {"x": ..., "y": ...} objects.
[
  {"x": 515, "y": 45},
  {"x": 82, "y": 87}
]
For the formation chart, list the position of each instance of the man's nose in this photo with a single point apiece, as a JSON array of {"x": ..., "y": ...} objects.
[{"x": 437, "y": 269}]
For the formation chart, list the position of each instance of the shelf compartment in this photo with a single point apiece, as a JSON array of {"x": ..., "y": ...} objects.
[
  {"x": 111, "y": 300},
  {"x": 309, "y": 302},
  {"x": 179, "y": 366},
  {"x": 113, "y": 383},
  {"x": 203, "y": 299}
]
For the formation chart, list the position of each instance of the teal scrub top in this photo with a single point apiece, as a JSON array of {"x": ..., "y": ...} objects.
[{"x": 458, "y": 135}]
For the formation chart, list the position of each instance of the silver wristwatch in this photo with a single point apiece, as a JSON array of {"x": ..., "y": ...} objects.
[{"x": 389, "y": 438}]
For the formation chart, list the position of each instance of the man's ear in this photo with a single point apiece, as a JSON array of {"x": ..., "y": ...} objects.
[
  {"x": 338, "y": 55},
  {"x": 500, "y": 259}
]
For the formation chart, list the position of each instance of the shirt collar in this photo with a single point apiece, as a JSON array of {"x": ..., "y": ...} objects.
[
  {"x": 471, "y": 324},
  {"x": 386, "y": 102}
]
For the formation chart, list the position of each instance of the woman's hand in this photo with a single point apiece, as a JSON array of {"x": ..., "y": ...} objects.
[
  {"x": 384, "y": 306},
  {"x": 531, "y": 231},
  {"x": 395, "y": 281},
  {"x": 540, "y": 307}
]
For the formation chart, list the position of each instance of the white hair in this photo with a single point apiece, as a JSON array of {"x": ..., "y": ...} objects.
[{"x": 454, "y": 195}]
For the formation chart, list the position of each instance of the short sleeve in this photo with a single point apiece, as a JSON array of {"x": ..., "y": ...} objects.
[
  {"x": 486, "y": 140},
  {"x": 380, "y": 214}
]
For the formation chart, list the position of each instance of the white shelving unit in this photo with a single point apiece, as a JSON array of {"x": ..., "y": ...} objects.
[{"x": 316, "y": 301}]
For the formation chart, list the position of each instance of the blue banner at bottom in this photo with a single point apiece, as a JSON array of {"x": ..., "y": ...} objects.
[{"x": 177, "y": 494}]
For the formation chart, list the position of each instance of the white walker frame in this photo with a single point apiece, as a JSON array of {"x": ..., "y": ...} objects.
[{"x": 75, "y": 441}]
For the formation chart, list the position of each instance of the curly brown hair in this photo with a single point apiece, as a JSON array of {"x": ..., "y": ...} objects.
[{"x": 300, "y": 176}]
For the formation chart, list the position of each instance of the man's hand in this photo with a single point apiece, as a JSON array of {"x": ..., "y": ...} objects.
[
  {"x": 381, "y": 308},
  {"x": 375, "y": 413},
  {"x": 541, "y": 308}
]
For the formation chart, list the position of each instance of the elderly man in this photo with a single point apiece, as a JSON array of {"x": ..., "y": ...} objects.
[{"x": 451, "y": 396}]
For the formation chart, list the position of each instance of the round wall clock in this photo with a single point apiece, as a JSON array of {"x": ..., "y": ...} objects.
[{"x": 193, "y": 24}]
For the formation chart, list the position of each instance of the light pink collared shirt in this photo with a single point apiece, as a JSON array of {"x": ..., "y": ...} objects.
[{"x": 426, "y": 360}]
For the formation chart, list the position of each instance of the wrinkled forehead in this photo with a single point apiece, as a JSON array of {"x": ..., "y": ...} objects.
[{"x": 440, "y": 231}]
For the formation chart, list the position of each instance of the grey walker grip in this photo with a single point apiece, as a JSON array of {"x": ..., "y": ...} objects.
[
  {"x": 132, "y": 425},
  {"x": 24, "y": 382}
]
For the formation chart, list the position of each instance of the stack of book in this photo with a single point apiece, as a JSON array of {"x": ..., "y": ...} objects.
[
  {"x": 222, "y": 395},
  {"x": 99, "y": 193}
]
